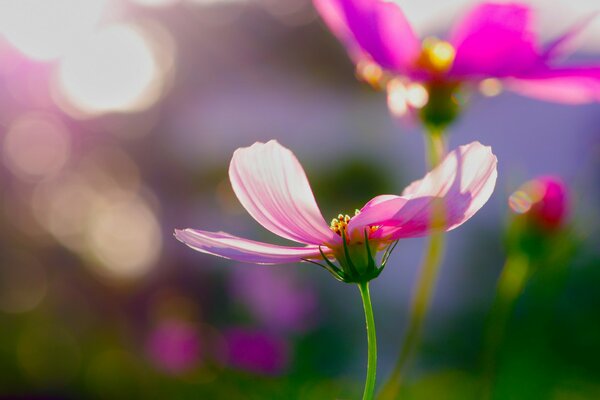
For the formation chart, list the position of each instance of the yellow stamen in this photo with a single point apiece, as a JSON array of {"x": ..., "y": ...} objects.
[
  {"x": 436, "y": 55},
  {"x": 340, "y": 224}
]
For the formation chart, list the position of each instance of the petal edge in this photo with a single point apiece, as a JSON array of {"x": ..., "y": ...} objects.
[{"x": 224, "y": 245}]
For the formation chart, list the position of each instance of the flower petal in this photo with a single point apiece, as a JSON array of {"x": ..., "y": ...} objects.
[
  {"x": 571, "y": 85},
  {"x": 272, "y": 186},
  {"x": 494, "y": 40},
  {"x": 464, "y": 181},
  {"x": 228, "y": 246},
  {"x": 375, "y": 28},
  {"x": 562, "y": 46},
  {"x": 375, "y": 212}
]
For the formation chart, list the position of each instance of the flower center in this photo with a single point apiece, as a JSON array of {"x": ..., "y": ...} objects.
[
  {"x": 436, "y": 55},
  {"x": 339, "y": 224}
]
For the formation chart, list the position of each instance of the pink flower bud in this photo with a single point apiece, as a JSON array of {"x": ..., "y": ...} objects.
[{"x": 544, "y": 200}]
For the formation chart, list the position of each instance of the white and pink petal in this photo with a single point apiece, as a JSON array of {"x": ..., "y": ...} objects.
[
  {"x": 271, "y": 185},
  {"x": 372, "y": 29},
  {"x": 462, "y": 183},
  {"x": 567, "y": 85},
  {"x": 496, "y": 40},
  {"x": 235, "y": 248},
  {"x": 376, "y": 212}
]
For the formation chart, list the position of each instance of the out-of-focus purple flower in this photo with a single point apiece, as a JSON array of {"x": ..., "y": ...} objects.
[
  {"x": 493, "y": 40},
  {"x": 256, "y": 351},
  {"x": 174, "y": 346},
  {"x": 276, "y": 298},
  {"x": 544, "y": 201},
  {"x": 271, "y": 184}
]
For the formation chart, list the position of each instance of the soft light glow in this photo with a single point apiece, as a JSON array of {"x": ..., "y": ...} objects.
[
  {"x": 436, "y": 55},
  {"x": 114, "y": 70},
  {"x": 62, "y": 206},
  {"x": 47, "y": 29},
  {"x": 397, "y": 97},
  {"x": 520, "y": 202},
  {"x": 442, "y": 55},
  {"x": 490, "y": 87},
  {"x": 370, "y": 72},
  {"x": 98, "y": 212},
  {"x": 416, "y": 95},
  {"x": 528, "y": 194},
  {"x": 215, "y": 2},
  {"x": 156, "y": 3},
  {"x": 36, "y": 146},
  {"x": 125, "y": 239}
]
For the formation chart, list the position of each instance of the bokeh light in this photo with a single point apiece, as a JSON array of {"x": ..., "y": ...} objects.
[
  {"x": 36, "y": 146},
  {"x": 520, "y": 202},
  {"x": 490, "y": 87},
  {"x": 125, "y": 239},
  {"x": 156, "y": 3},
  {"x": 62, "y": 207},
  {"x": 44, "y": 30},
  {"x": 526, "y": 196},
  {"x": 369, "y": 72},
  {"x": 121, "y": 68},
  {"x": 118, "y": 120},
  {"x": 102, "y": 213},
  {"x": 417, "y": 95},
  {"x": 397, "y": 97}
]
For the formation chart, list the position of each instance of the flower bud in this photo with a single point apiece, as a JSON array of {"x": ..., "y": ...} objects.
[{"x": 543, "y": 201}]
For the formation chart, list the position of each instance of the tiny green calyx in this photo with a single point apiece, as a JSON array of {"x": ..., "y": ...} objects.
[{"x": 354, "y": 262}]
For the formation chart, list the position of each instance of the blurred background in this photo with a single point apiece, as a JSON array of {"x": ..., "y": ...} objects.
[{"x": 118, "y": 119}]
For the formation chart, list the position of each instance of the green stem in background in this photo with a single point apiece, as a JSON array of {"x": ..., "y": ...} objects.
[
  {"x": 372, "y": 342},
  {"x": 427, "y": 279},
  {"x": 435, "y": 147},
  {"x": 512, "y": 280}
]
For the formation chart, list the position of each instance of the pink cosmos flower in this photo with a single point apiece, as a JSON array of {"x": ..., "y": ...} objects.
[
  {"x": 543, "y": 201},
  {"x": 493, "y": 40},
  {"x": 271, "y": 184}
]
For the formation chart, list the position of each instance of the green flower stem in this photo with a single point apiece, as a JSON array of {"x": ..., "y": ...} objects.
[
  {"x": 435, "y": 147},
  {"x": 428, "y": 272},
  {"x": 372, "y": 342},
  {"x": 511, "y": 282}
]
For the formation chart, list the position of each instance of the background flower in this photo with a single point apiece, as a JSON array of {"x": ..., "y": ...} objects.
[{"x": 491, "y": 44}]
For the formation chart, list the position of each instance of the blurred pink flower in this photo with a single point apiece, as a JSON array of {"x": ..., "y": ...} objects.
[
  {"x": 256, "y": 351},
  {"x": 174, "y": 346},
  {"x": 493, "y": 40},
  {"x": 276, "y": 298},
  {"x": 272, "y": 186},
  {"x": 543, "y": 200}
]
